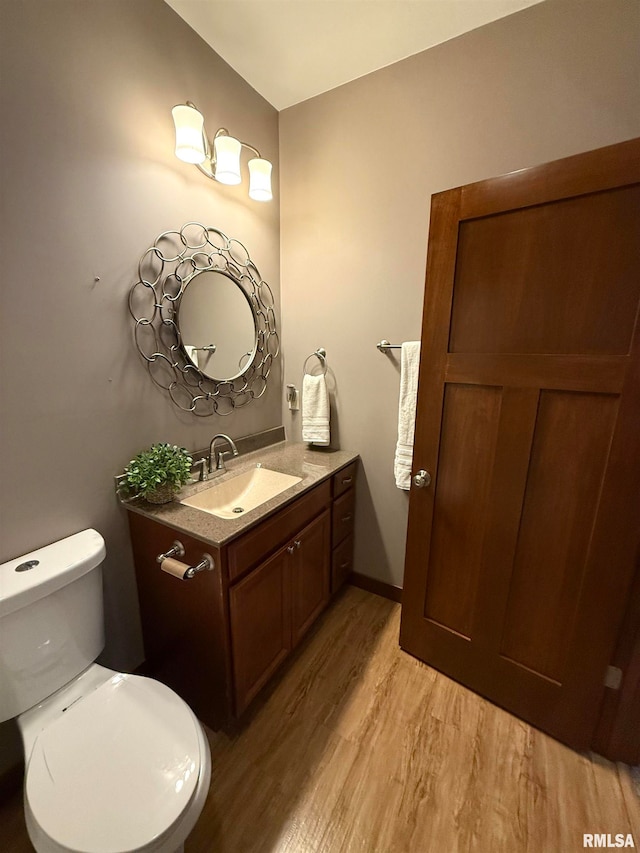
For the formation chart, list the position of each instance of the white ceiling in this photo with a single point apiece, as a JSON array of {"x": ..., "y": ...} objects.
[{"x": 291, "y": 50}]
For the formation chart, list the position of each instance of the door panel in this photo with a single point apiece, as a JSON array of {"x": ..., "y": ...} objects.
[
  {"x": 521, "y": 552},
  {"x": 567, "y": 465},
  {"x": 505, "y": 257},
  {"x": 470, "y": 421}
]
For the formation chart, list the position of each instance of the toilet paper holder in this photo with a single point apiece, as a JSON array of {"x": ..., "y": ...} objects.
[
  {"x": 206, "y": 564},
  {"x": 176, "y": 550}
]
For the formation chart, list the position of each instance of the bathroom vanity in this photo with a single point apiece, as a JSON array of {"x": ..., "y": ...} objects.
[{"x": 218, "y": 637}]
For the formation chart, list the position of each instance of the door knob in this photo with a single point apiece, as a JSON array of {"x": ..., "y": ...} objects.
[{"x": 422, "y": 479}]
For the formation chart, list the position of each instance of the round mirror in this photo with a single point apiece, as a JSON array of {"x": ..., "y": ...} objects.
[
  {"x": 205, "y": 323},
  {"x": 217, "y": 325}
]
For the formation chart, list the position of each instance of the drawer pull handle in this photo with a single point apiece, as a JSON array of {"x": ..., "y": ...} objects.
[
  {"x": 346, "y": 518},
  {"x": 345, "y": 565},
  {"x": 347, "y": 480}
]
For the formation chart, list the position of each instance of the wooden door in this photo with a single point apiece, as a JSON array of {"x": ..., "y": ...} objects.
[
  {"x": 310, "y": 577},
  {"x": 260, "y": 613},
  {"x": 520, "y": 553}
]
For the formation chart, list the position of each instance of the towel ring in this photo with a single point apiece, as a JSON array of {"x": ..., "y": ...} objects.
[{"x": 321, "y": 355}]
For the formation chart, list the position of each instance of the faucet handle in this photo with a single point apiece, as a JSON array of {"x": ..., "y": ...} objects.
[
  {"x": 220, "y": 458},
  {"x": 202, "y": 464}
]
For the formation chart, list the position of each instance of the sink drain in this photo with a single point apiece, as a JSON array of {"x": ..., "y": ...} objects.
[{"x": 238, "y": 509}]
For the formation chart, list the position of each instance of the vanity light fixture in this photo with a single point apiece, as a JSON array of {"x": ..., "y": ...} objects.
[{"x": 220, "y": 158}]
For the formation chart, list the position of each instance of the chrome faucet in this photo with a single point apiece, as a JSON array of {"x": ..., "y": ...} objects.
[{"x": 219, "y": 457}]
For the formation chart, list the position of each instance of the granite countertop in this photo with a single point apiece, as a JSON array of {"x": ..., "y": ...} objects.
[{"x": 312, "y": 465}]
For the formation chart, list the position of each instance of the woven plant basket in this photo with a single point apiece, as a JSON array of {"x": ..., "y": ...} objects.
[{"x": 162, "y": 494}]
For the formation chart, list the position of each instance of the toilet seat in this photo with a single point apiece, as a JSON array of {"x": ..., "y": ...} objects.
[{"x": 117, "y": 769}]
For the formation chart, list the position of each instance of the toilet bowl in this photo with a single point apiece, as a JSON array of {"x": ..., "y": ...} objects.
[{"x": 113, "y": 762}]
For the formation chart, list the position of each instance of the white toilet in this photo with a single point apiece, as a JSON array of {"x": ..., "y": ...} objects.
[{"x": 113, "y": 762}]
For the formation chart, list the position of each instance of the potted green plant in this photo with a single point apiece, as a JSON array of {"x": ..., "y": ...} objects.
[{"x": 158, "y": 473}]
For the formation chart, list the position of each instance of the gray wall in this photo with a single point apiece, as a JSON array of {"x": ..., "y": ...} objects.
[
  {"x": 358, "y": 167},
  {"x": 89, "y": 179}
]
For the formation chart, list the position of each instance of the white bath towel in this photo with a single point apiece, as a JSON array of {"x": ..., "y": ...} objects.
[
  {"x": 409, "y": 363},
  {"x": 315, "y": 410}
]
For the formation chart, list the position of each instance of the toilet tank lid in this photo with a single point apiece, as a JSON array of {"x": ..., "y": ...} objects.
[{"x": 48, "y": 569}]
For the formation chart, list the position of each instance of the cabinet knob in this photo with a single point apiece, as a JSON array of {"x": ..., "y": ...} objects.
[
  {"x": 297, "y": 543},
  {"x": 290, "y": 549}
]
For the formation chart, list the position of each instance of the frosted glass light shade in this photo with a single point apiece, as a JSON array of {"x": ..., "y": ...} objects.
[
  {"x": 260, "y": 179},
  {"x": 189, "y": 134},
  {"x": 227, "y": 160}
]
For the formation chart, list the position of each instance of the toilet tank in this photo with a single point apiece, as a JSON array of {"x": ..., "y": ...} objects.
[{"x": 51, "y": 619}]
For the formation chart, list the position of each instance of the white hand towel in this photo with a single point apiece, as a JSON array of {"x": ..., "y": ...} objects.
[
  {"x": 409, "y": 364},
  {"x": 192, "y": 352},
  {"x": 315, "y": 410}
]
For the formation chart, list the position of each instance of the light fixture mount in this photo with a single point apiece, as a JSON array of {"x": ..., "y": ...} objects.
[{"x": 218, "y": 159}]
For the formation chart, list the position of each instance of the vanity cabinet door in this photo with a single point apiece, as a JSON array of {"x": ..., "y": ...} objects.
[
  {"x": 260, "y": 614},
  {"x": 310, "y": 575}
]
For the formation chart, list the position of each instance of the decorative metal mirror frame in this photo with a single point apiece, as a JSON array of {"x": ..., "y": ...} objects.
[{"x": 164, "y": 272}]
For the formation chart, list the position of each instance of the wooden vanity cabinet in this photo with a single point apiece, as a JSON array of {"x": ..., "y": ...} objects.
[{"x": 218, "y": 638}]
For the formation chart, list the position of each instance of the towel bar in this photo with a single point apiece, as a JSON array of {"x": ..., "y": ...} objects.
[{"x": 385, "y": 346}]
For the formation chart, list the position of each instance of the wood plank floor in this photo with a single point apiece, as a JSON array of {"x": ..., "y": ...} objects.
[{"x": 360, "y": 747}]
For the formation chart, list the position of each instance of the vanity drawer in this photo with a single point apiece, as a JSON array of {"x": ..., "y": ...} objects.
[
  {"x": 343, "y": 516},
  {"x": 341, "y": 563},
  {"x": 252, "y": 548},
  {"x": 344, "y": 479}
]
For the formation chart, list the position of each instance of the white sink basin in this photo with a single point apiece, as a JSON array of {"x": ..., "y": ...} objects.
[{"x": 244, "y": 492}]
